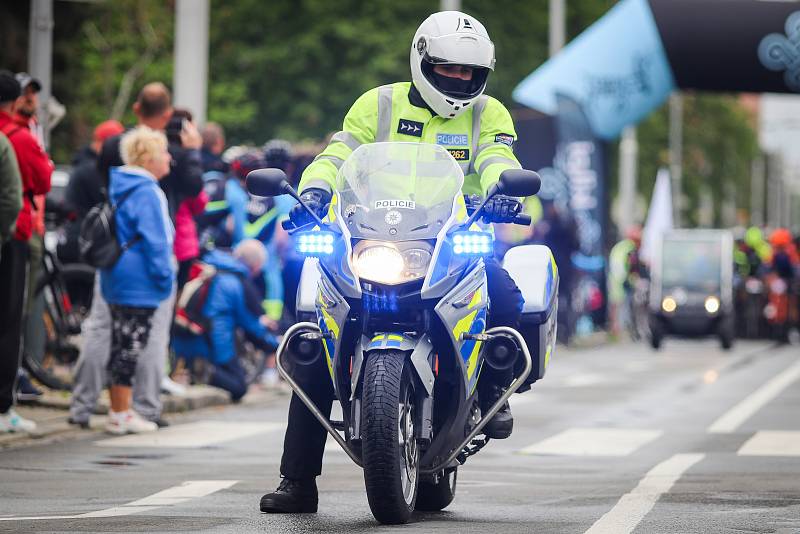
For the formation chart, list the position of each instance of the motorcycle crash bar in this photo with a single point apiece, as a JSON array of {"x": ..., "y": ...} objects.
[{"x": 309, "y": 328}]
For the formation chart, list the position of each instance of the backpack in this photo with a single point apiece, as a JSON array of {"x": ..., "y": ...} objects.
[
  {"x": 189, "y": 319},
  {"x": 97, "y": 240}
]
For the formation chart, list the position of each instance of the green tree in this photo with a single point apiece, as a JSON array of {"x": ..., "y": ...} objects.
[
  {"x": 293, "y": 70},
  {"x": 719, "y": 145}
]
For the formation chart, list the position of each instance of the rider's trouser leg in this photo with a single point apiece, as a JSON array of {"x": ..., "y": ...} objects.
[
  {"x": 505, "y": 309},
  {"x": 304, "y": 442}
]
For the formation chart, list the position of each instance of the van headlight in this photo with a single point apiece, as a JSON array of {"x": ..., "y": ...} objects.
[
  {"x": 669, "y": 304},
  {"x": 391, "y": 263},
  {"x": 712, "y": 305}
]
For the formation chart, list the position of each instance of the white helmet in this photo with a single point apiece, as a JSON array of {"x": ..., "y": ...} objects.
[{"x": 450, "y": 38}]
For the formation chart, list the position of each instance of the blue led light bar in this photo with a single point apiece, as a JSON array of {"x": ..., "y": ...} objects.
[
  {"x": 317, "y": 243},
  {"x": 472, "y": 243}
]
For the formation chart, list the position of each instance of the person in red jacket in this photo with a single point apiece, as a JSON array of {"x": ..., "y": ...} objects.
[
  {"x": 25, "y": 111},
  {"x": 35, "y": 170}
]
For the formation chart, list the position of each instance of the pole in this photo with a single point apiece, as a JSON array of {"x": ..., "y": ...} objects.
[
  {"x": 558, "y": 26},
  {"x": 40, "y": 57},
  {"x": 450, "y": 5},
  {"x": 757, "y": 181},
  {"x": 676, "y": 155},
  {"x": 628, "y": 154},
  {"x": 191, "y": 56},
  {"x": 775, "y": 170}
]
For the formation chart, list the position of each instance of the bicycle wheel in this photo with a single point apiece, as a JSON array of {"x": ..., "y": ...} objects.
[{"x": 63, "y": 300}]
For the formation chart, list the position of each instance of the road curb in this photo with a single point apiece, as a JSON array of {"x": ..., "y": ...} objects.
[{"x": 51, "y": 412}]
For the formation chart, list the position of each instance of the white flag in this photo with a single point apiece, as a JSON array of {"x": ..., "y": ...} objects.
[{"x": 659, "y": 215}]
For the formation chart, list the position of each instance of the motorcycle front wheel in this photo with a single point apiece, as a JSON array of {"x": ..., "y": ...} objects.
[{"x": 389, "y": 444}]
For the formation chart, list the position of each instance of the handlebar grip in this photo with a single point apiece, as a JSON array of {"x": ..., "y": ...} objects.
[
  {"x": 287, "y": 224},
  {"x": 522, "y": 219}
]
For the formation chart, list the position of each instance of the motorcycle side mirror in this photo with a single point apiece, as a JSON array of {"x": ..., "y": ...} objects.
[
  {"x": 519, "y": 183},
  {"x": 513, "y": 182},
  {"x": 267, "y": 182},
  {"x": 273, "y": 183}
]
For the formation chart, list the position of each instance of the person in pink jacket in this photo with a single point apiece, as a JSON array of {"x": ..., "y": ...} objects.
[{"x": 187, "y": 245}]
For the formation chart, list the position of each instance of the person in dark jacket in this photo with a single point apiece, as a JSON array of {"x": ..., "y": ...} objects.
[
  {"x": 144, "y": 275},
  {"x": 213, "y": 147},
  {"x": 232, "y": 303},
  {"x": 187, "y": 244},
  {"x": 85, "y": 188},
  {"x": 91, "y": 151},
  {"x": 10, "y": 189},
  {"x": 153, "y": 109}
]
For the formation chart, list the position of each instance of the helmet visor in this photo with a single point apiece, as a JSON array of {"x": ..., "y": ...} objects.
[{"x": 456, "y": 88}]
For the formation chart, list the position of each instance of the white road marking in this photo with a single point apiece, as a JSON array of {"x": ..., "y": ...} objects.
[
  {"x": 192, "y": 435},
  {"x": 593, "y": 442},
  {"x": 583, "y": 380},
  {"x": 484, "y": 483},
  {"x": 772, "y": 443},
  {"x": 523, "y": 398},
  {"x": 733, "y": 418},
  {"x": 191, "y": 489},
  {"x": 634, "y": 506},
  {"x": 332, "y": 446}
]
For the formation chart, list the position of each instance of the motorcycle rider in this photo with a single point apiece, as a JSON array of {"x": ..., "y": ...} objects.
[{"x": 451, "y": 56}]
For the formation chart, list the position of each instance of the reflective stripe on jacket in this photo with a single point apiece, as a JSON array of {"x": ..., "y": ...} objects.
[{"x": 480, "y": 139}]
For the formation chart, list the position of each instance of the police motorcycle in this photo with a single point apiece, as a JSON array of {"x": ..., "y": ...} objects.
[{"x": 397, "y": 293}]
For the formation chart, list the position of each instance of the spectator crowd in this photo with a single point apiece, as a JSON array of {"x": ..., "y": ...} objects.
[{"x": 203, "y": 268}]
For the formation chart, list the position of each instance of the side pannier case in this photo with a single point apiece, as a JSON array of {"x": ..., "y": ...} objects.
[{"x": 534, "y": 270}]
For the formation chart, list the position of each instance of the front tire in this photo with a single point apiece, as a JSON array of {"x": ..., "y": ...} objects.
[
  {"x": 435, "y": 497},
  {"x": 727, "y": 333},
  {"x": 656, "y": 335},
  {"x": 390, "y": 451}
]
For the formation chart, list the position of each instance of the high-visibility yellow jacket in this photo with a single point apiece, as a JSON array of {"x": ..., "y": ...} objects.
[{"x": 479, "y": 139}]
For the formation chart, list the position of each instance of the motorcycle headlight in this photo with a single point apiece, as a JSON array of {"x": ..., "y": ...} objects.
[{"x": 387, "y": 263}]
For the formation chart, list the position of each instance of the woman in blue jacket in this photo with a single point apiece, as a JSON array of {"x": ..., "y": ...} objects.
[{"x": 145, "y": 273}]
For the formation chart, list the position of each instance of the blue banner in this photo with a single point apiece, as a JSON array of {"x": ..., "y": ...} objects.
[{"x": 617, "y": 71}]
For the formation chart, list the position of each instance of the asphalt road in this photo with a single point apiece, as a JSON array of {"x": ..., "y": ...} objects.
[{"x": 615, "y": 439}]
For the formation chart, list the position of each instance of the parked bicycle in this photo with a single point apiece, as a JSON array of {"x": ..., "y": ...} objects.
[{"x": 63, "y": 297}]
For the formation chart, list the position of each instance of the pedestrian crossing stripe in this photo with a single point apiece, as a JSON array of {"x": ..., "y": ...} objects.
[
  {"x": 192, "y": 435},
  {"x": 593, "y": 442},
  {"x": 772, "y": 443},
  {"x": 191, "y": 489}
]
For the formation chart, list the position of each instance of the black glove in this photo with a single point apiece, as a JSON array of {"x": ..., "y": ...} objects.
[
  {"x": 315, "y": 198},
  {"x": 501, "y": 209},
  {"x": 472, "y": 202}
]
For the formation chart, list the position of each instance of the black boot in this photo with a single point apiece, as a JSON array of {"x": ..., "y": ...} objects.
[
  {"x": 501, "y": 425},
  {"x": 293, "y": 496}
]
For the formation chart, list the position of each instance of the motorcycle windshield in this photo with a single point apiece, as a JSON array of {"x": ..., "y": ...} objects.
[
  {"x": 398, "y": 191},
  {"x": 692, "y": 264}
]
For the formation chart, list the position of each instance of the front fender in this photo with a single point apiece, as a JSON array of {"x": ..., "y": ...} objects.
[{"x": 420, "y": 348}]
